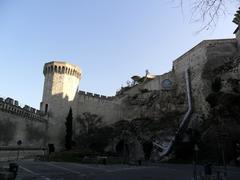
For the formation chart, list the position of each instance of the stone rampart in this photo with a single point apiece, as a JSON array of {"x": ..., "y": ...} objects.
[
  {"x": 106, "y": 107},
  {"x": 162, "y": 82},
  {"x": 195, "y": 60},
  {"x": 18, "y": 124},
  {"x": 94, "y": 97},
  {"x": 11, "y": 106}
]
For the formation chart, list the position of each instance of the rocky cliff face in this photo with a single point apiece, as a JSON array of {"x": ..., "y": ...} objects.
[
  {"x": 150, "y": 116},
  {"x": 156, "y": 105}
]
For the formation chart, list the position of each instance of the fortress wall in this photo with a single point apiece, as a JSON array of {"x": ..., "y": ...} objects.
[
  {"x": 103, "y": 106},
  {"x": 83, "y": 95},
  {"x": 112, "y": 108},
  {"x": 224, "y": 60},
  {"x": 18, "y": 123},
  {"x": 157, "y": 83},
  {"x": 26, "y": 112},
  {"x": 195, "y": 60},
  {"x": 151, "y": 85},
  {"x": 132, "y": 91}
]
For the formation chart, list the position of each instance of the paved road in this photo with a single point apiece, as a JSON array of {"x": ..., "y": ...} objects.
[{"x": 30, "y": 170}]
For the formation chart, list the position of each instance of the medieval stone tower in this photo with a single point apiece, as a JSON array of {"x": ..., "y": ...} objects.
[{"x": 60, "y": 88}]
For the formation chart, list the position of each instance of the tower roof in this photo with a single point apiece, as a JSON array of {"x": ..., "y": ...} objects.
[
  {"x": 62, "y": 67},
  {"x": 63, "y": 63}
]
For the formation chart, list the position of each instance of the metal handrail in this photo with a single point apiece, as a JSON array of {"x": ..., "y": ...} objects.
[{"x": 166, "y": 151}]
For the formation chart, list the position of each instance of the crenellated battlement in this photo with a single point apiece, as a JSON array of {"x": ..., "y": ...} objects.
[
  {"x": 10, "y": 105},
  {"x": 95, "y": 96},
  {"x": 62, "y": 68}
]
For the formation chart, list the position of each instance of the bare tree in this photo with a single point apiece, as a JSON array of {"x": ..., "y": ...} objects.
[
  {"x": 207, "y": 12},
  {"x": 89, "y": 122}
]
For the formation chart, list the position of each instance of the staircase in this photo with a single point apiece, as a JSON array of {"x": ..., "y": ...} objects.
[{"x": 165, "y": 145}]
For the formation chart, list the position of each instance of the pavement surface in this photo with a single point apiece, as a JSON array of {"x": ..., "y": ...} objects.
[{"x": 30, "y": 170}]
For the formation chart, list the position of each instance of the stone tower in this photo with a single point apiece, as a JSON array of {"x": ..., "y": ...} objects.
[{"x": 60, "y": 88}]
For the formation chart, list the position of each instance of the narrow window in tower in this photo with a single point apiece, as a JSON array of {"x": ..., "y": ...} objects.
[
  {"x": 59, "y": 69},
  {"x": 46, "y": 108}
]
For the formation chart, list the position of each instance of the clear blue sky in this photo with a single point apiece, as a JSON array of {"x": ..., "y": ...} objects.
[{"x": 110, "y": 40}]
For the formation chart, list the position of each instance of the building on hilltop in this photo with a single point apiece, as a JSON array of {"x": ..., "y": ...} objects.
[
  {"x": 61, "y": 89},
  {"x": 176, "y": 100},
  {"x": 147, "y": 97}
]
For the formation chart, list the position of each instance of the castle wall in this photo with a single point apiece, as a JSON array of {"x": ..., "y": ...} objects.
[
  {"x": 25, "y": 124},
  {"x": 136, "y": 104},
  {"x": 155, "y": 84},
  {"x": 195, "y": 60},
  {"x": 106, "y": 107},
  {"x": 115, "y": 109},
  {"x": 60, "y": 91}
]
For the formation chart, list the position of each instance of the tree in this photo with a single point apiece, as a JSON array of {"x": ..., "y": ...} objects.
[
  {"x": 89, "y": 122},
  {"x": 92, "y": 134},
  {"x": 69, "y": 130},
  {"x": 208, "y": 12}
]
